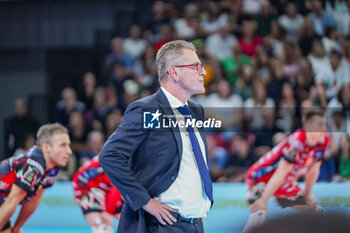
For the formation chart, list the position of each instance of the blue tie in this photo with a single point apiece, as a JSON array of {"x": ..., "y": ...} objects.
[{"x": 203, "y": 170}]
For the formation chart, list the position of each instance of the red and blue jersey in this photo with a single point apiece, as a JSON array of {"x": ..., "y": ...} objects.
[
  {"x": 94, "y": 191},
  {"x": 295, "y": 150},
  {"x": 28, "y": 171}
]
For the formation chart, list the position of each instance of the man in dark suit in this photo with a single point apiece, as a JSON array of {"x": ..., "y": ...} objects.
[{"x": 163, "y": 173}]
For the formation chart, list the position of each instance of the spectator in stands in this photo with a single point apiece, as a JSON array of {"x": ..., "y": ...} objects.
[
  {"x": 113, "y": 99},
  {"x": 331, "y": 77},
  {"x": 306, "y": 105},
  {"x": 212, "y": 21},
  {"x": 304, "y": 81},
  {"x": 278, "y": 138},
  {"x": 249, "y": 41},
  {"x": 218, "y": 156},
  {"x": 264, "y": 137},
  {"x": 158, "y": 18},
  {"x": 336, "y": 126},
  {"x": 18, "y": 126},
  {"x": 77, "y": 132},
  {"x": 278, "y": 78},
  {"x": 286, "y": 108},
  {"x": 252, "y": 7},
  {"x": 212, "y": 66},
  {"x": 166, "y": 35},
  {"x": 231, "y": 65},
  {"x": 146, "y": 70},
  {"x": 185, "y": 27},
  {"x": 346, "y": 57},
  {"x": 245, "y": 81},
  {"x": 132, "y": 91},
  {"x": 134, "y": 44},
  {"x": 291, "y": 21},
  {"x": 307, "y": 36},
  {"x": 225, "y": 105},
  {"x": 118, "y": 56},
  {"x": 220, "y": 45},
  {"x": 338, "y": 116},
  {"x": 236, "y": 13},
  {"x": 273, "y": 42},
  {"x": 264, "y": 18},
  {"x": 113, "y": 120},
  {"x": 100, "y": 109},
  {"x": 68, "y": 104},
  {"x": 321, "y": 18},
  {"x": 29, "y": 141},
  {"x": 340, "y": 12},
  {"x": 340, "y": 103},
  {"x": 254, "y": 107},
  {"x": 119, "y": 76},
  {"x": 242, "y": 155},
  {"x": 317, "y": 56},
  {"x": 330, "y": 40},
  {"x": 86, "y": 94},
  {"x": 292, "y": 61},
  {"x": 94, "y": 144},
  {"x": 263, "y": 69}
]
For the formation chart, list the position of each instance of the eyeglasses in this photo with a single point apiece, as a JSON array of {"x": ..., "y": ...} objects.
[{"x": 198, "y": 66}]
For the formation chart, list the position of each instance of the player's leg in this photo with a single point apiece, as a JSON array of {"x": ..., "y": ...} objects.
[
  {"x": 107, "y": 221},
  {"x": 98, "y": 222},
  {"x": 311, "y": 205},
  {"x": 301, "y": 204},
  {"x": 257, "y": 218},
  {"x": 91, "y": 202}
]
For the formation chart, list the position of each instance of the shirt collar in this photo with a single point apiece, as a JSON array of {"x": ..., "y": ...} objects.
[{"x": 173, "y": 101}]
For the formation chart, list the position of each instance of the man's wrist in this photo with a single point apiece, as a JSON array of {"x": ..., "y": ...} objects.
[
  {"x": 146, "y": 205},
  {"x": 264, "y": 199}
]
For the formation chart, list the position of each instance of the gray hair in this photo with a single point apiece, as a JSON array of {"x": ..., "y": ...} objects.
[
  {"x": 169, "y": 54},
  {"x": 45, "y": 133}
]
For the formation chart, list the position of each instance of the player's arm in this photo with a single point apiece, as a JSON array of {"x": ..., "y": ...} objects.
[
  {"x": 284, "y": 167},
  {"x": 311, "y": 177},
  {"x": 27, "y": 210},
  {"x": 7, "y": 209}
]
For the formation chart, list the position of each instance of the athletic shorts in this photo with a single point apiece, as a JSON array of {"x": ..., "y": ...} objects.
[
  {"x": 285, "y": 201},
  {"x": 97, "y": 200},
  {"x": 91, "y": 200},
  {"x": 8, "y": 224}
]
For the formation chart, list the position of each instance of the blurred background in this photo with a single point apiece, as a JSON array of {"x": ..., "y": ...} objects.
[{"x": 81, "y": 63}]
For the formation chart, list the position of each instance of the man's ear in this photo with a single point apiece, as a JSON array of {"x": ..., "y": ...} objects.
[
  {"x": 173, "y": 73},
  {"x": 45, "y": 147}
]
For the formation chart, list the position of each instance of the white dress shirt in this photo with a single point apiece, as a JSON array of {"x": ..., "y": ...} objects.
[{"x": 187, "y": 193}]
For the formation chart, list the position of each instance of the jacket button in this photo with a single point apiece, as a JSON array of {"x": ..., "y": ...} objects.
[{"x": 173, "y": 177}]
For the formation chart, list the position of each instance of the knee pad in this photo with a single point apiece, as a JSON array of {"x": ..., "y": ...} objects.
[
  {"x": 102, "y": 228},
  {"x": 319, "y": 209}
]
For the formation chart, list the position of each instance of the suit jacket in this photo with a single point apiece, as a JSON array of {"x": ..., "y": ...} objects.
[{"x": 142, "y": 163}]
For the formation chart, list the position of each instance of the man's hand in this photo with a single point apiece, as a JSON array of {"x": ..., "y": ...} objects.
[
  {"x": 311, "y": 201},
  {"x": 160, "y": 211},
  {"x": 258, "y": 205}
]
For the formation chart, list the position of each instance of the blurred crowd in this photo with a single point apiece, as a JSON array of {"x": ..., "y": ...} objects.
[{"x": 266, "y": 63}]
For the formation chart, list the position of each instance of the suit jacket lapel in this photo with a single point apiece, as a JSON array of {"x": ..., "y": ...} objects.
[{"x": 166, "y": 109}]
